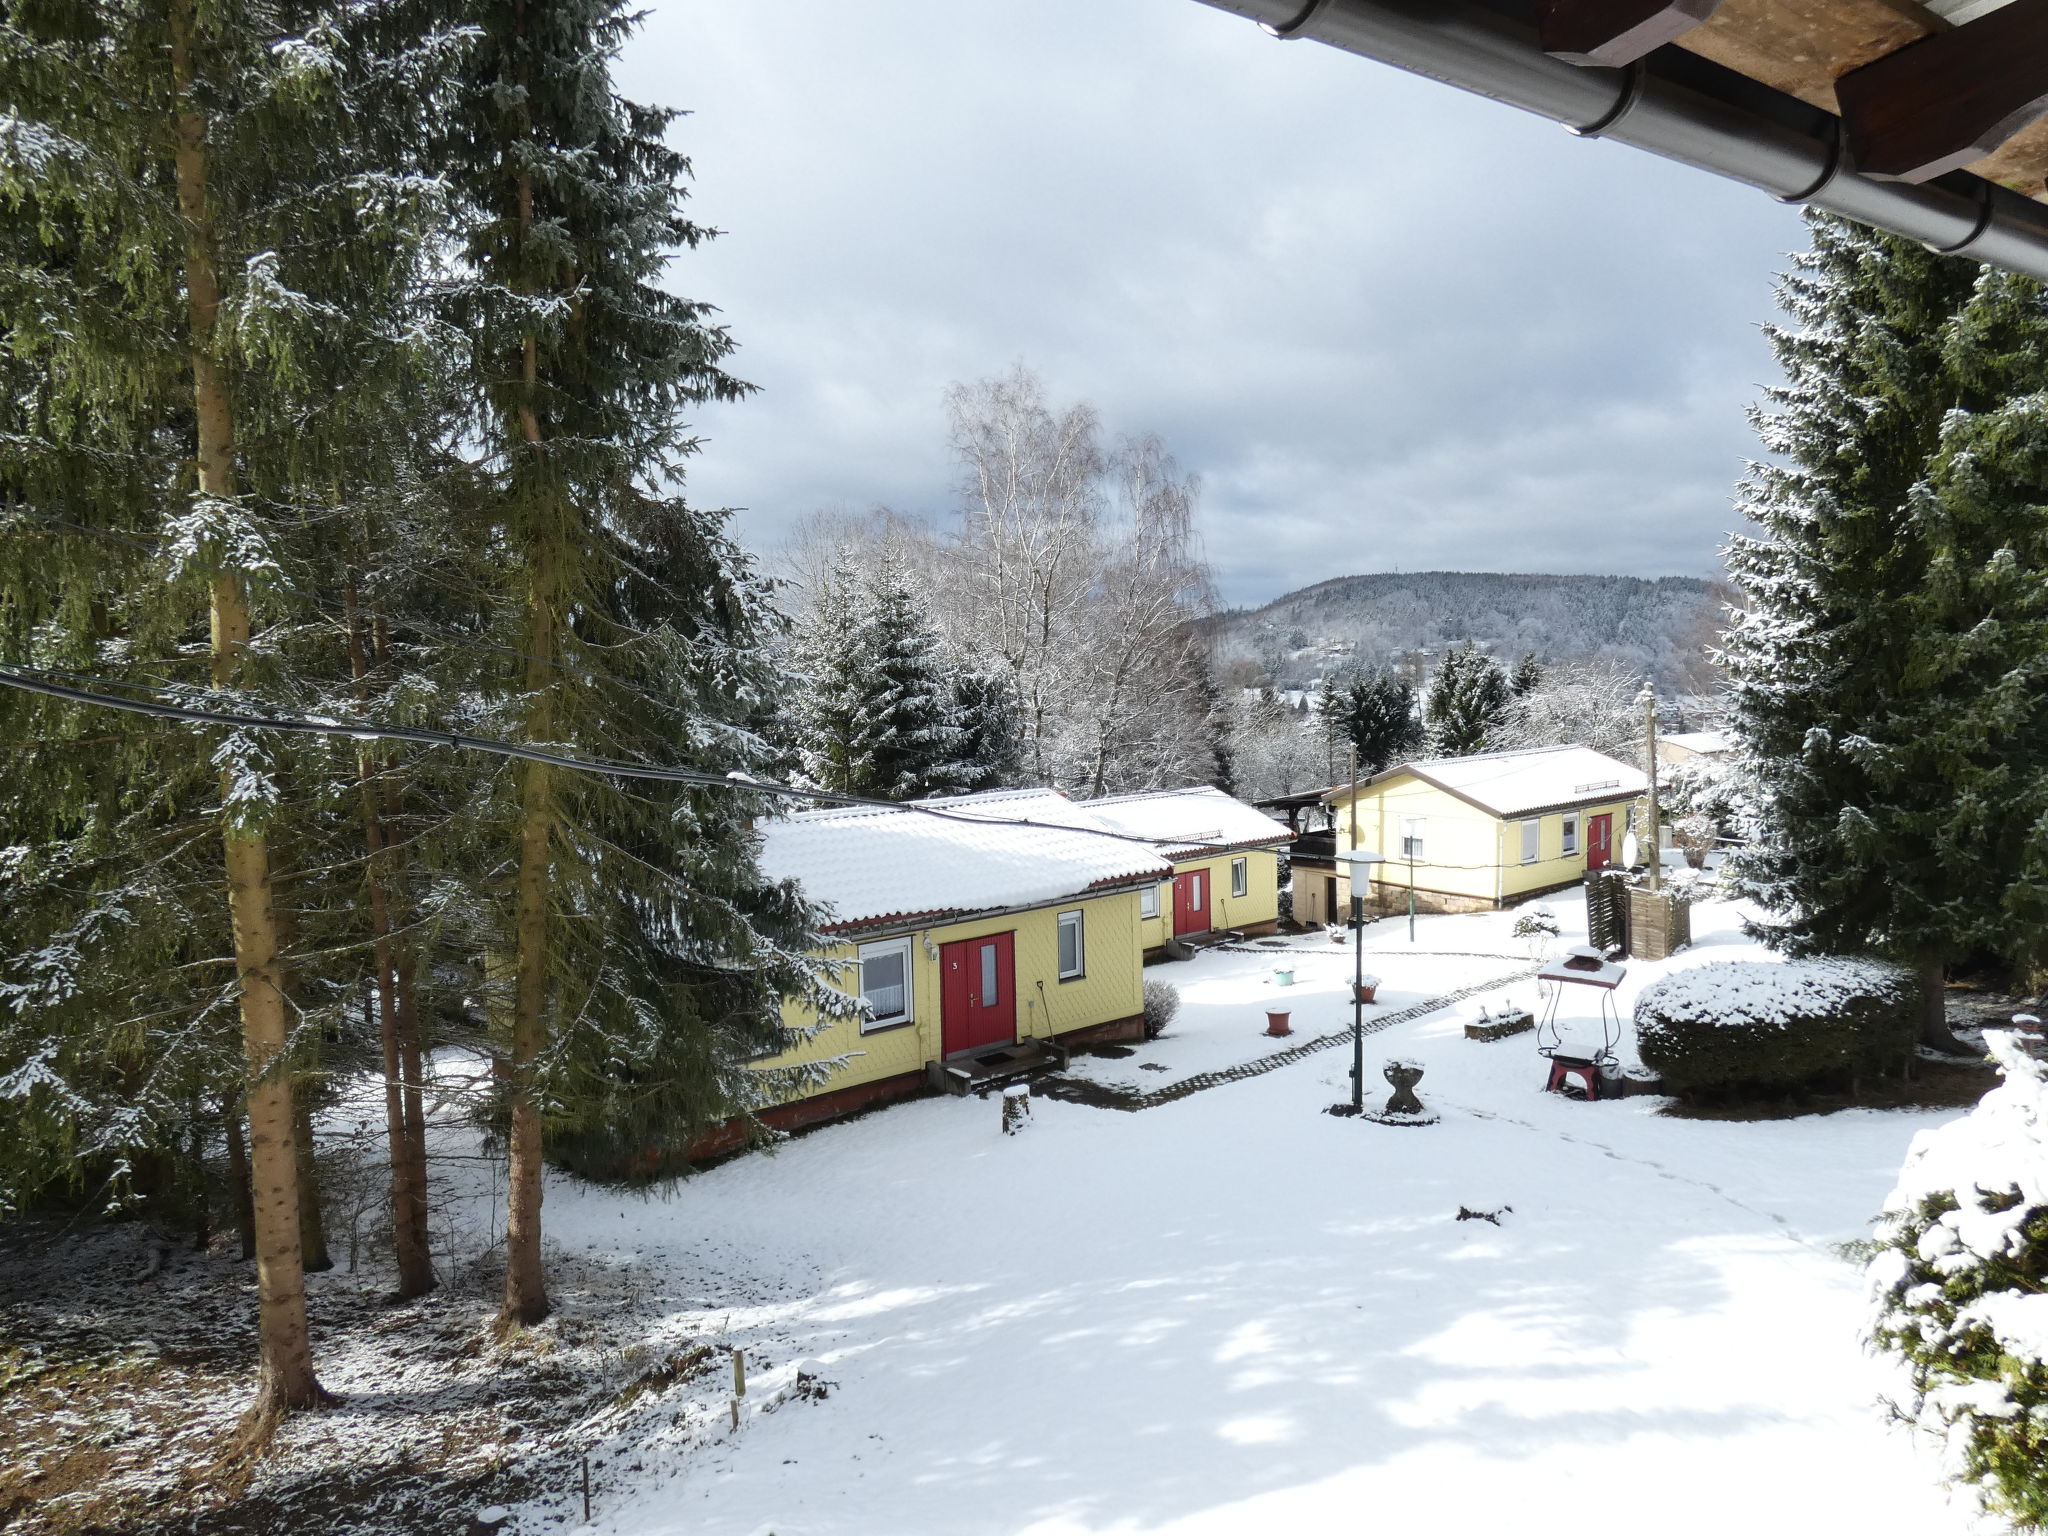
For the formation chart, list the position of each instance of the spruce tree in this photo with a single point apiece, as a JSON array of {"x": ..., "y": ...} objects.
[
  {"x": 915, "y": 744},
  {"x": 1377, "y": 711},
  {"x": 643, "y": 955},
  {"x": 1469, "y": 695},
  {"x": 1888, "y": 674},
  {"x": 833, "y": 746},
  {"x": 1331, "y": 727},
  {"x": 991, "y": 734},
  {"x": 1526, "y": 676}
]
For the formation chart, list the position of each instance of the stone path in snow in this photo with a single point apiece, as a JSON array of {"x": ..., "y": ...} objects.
[{"x": 1076, "y": 1091}]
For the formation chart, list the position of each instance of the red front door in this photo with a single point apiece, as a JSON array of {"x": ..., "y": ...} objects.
[
  {"x": 977, "y": 993},
  {"x": 1599, "y": 841},
  {"x": 1191, "y": 901}
]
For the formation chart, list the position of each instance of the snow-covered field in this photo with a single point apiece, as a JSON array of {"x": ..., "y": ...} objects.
[{"x": 1235, "y": 1313}]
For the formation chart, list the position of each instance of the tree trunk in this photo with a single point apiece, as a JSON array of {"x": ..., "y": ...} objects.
[
  {"x": 526, "y": 1297},
  {"x": 238, "y": 1177},
  {"x": 285, "y": 1346},
  {"x": 313, "y": 1252},
  {"x": 405, "y": 1147},
  {"x": 1934, "y": 1030}
]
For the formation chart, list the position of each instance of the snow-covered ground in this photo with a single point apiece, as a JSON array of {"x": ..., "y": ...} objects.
[{"x": 1235, "y": 1313}]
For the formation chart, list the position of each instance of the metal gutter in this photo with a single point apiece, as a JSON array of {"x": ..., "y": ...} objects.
[{"x": 1674, "y": 105}]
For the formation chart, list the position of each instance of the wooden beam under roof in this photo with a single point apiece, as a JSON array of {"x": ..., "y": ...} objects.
[
  {"x": 1947, "y": 100},
  {"x": 1802, "y": 46},
  {"x": 1614, "y": 32}
]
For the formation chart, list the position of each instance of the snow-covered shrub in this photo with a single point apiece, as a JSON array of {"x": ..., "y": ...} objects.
[
  {"x": 1959, "y": 1284},
  {"x": 1162, "y": 1002},
  {"x": 1695, "y": 836},
  {"x": 1772, "y": 1025}
]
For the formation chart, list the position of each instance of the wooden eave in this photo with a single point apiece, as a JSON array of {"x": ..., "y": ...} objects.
[{"x": 1802, "y": 47}]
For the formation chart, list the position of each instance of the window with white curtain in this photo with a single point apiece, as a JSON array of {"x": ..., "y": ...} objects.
[{"x": 885, "y": 982}]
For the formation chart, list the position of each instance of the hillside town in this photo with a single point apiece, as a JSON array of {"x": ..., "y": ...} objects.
[{"x": 1191, "y": 964}]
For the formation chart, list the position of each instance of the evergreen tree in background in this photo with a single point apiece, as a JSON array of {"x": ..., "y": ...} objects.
[
  {"x": 1469, "y": 695},
  {"x": 1526, "y": 676},
  {"x": 915, "y": 746},
  {"x": 1890, "y": 677},
  {"x": 991, "y": 737},
  {"x": 832, "y": 746},
  {"x": 1330, "y": 725},
  {"x": 1376, "y": 718}
]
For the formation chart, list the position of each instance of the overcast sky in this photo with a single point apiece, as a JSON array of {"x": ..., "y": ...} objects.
[{"x": 1390, "y": 325}]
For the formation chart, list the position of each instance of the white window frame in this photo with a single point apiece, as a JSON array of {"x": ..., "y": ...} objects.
[
  {"x": 1148, "y": 901},
  {"x": 1241, "y": 876},
  {"x": 874, "y": 951},
  {"x": 1532, "y": 840},
  {"x": 1075, "y": 921},
  {"x": 1414, "y": 829},
  {"x": 1571, "y": 832}
]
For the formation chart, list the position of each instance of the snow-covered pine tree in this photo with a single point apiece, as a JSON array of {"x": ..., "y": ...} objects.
[
  {"x": 1888, "y": 674},
  {"x": 1330, "y": 723},
  {"x": 1378, "y": 711},
  {"x": 644, "y": 953},
  {"x": 1468, "y": 698},
  {"x": 1527, "y": 674},
  {"x": 915, "y": 745},
  {"x": 991, "y": 738},
  {"x": 833, "y": 745}
]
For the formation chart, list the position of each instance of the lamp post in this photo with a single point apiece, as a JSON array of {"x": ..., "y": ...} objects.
[{"x": 1360, "y": 865}]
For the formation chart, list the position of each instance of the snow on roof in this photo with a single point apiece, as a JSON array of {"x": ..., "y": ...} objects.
[
  {"x": 1704, "y": 742},
  {"x": 1186, "y": 821},
  {"x": 946, "y": 857},
  {"x": 1518, "y": 783}
]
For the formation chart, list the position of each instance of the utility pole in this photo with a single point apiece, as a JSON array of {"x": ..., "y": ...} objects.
[
  {"x": 1357, "y": 957},
  {"x": 1648, "y": 699}
]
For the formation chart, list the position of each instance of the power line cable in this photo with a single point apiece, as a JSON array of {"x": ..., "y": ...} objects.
[{"x": 375, "y": 731}]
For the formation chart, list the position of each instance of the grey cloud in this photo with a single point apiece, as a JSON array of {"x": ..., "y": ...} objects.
[{"x": 1389, "y": 324}]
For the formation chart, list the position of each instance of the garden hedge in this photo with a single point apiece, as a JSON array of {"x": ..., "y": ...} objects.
[{"x": 1773, "y": 1025}]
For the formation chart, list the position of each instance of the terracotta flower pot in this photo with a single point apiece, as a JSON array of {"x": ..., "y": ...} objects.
[
  {"x": 1364, "y": 994},
  {"x": 1276, "y": 1022}
]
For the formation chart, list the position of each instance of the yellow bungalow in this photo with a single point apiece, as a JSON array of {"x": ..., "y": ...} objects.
[
  {"x": 1225, "y": 857},
  {"x": 1470, "y": 833},
  {"x": 972, "y": 939}
]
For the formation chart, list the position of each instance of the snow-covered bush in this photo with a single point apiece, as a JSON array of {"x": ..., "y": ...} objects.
[
  {"x": 1162, "y": 1002},
  {"x": 1959, "y": 1283},
  {"x": 1771, "y": 1025},
  {"x": 1695, "y": 836}
]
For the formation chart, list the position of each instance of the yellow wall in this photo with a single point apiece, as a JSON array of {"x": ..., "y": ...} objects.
[
  {"x": 1112, "y": 988},
  {"x": 1259, "y": 904},
  {"x": 1261, "y": 901},
  {"x": 1469, "y": 851},
  {"x": 1155, "y": 931}
]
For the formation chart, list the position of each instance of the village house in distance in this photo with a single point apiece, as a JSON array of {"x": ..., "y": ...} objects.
[
  {"x": 984, "y": 932},
  {"x": 1471, "y": 833}
]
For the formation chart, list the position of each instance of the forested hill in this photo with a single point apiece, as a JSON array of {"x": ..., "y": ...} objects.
[{"x": 1404, "y": 619}]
